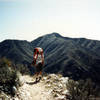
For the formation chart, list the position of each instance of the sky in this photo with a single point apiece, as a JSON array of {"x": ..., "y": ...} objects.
[{"x": 29, "y": 19}]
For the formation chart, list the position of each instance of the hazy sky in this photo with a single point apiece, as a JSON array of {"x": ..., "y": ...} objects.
[{"x": 29, "y": 19}]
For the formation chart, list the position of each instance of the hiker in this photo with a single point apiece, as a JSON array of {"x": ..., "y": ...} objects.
[{"x": 38, "y": 62}]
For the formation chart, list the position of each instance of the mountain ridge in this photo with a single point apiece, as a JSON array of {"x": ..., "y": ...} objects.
[{"x": 73, "y": 57}]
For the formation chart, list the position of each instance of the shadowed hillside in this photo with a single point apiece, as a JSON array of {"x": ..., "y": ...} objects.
[
  {"x": 73, "y": 57},
  {"x": 16, "y": 50}
]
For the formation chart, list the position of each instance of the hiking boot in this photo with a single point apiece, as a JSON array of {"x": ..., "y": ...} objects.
[
  {"x": 37, "y": 80},
  {"x": 40, "y": 78}
]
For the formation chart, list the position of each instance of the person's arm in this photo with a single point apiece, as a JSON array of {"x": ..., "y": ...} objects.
[
  {"x": 34, "y": 58},
  {"x": 42, "y": 58}
]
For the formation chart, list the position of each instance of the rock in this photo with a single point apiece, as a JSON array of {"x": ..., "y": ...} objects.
[
  {"x": 57, "y": 84},
  {"x": 14, "y": 89},
  {"x": 65, "y": 92},
  {"x": 3, "y": 96},
  {"x": 60, "y": 85},
  {"x": 64, "y": 80},
  {"x": 61, "y": 98}
]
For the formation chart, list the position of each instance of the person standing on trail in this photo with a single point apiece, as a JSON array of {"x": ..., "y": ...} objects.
[{"x": 38, "y": 62}]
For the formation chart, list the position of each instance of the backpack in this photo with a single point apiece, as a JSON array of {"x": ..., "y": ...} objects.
[{"x": 38, "y": 56}]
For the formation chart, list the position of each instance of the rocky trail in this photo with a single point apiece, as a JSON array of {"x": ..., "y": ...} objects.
[
  {"x": 32, "y": 91},
  {"x": 50, "y": 87}
]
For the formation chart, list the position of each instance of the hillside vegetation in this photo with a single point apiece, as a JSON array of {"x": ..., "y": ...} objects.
[{"x": 8, "y": 77}]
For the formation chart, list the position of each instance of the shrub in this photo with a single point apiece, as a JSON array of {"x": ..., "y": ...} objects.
[
  {"x": 83, "y": 89},
  {"x": 23, "y": 69},
  {"x": 8, "y": 76}
]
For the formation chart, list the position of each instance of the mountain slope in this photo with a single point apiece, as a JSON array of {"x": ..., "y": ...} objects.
[
  {"x": 18, "y": 51},
  {"x": 73, "y": 57}
]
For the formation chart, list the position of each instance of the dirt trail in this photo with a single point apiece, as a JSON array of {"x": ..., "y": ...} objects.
[
  {"x": 32, "y": 91},
  {"x": 51, "y": 87}
]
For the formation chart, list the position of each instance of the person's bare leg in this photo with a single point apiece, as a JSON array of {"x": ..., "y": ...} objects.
[
  {"x": 40, "y": 75},
  {"x": 37, "y": 74},
  {"x": 34, "y": 76}
]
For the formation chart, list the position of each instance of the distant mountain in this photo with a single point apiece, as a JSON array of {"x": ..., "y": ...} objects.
[
  {"x": 16, "y": 50},
  {"x": 73, "y": 57}
]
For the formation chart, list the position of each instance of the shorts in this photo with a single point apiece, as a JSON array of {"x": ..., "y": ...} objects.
[{"x": 39, "y": 67}]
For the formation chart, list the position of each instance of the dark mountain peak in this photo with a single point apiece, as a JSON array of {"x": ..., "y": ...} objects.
[
  {"x": 12, "y": 41},
  {"x": 52, "y": 35},
  {"x": 56, "y": 34},
  {"x": 7, "y": 40}
]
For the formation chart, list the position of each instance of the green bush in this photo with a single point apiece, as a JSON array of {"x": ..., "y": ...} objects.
[
  {"x": 24, "y": 70},
  {"x": 8, "y": 76},
  {"x": 83, "y": 89}
]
